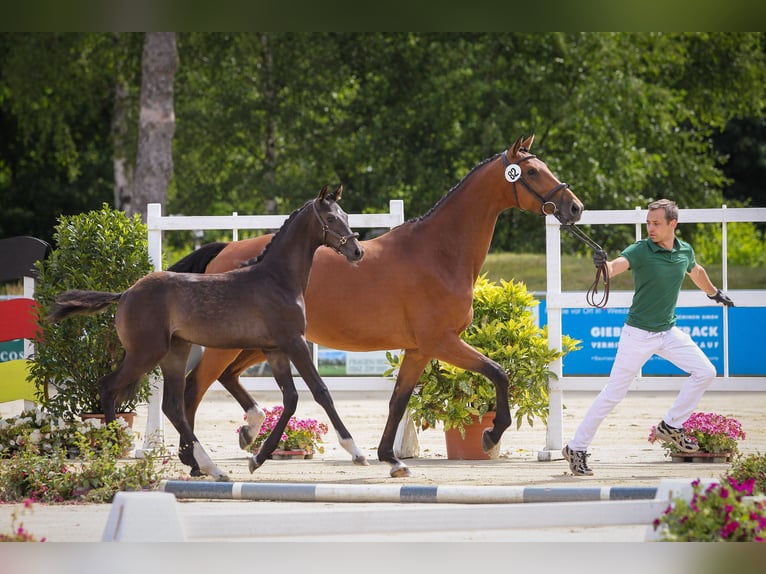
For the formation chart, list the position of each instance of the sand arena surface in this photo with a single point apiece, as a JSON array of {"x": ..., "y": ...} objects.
[{"x": 621, "y": 455}]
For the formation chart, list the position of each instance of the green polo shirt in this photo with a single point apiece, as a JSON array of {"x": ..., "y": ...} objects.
[{"x": 657, "y": 277}]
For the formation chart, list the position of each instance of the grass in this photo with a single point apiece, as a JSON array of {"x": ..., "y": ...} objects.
[{"x": 578, "y": 273}]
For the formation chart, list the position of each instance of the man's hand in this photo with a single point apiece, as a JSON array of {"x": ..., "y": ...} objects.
[
  {"x": 599, "y": 258},
  {"x": 721, "y": 297}
]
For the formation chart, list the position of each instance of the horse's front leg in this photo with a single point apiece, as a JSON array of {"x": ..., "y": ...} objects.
[
  {"x": 280, "y": 367},
  {"x": 410, "y": 368},
  {"x": 301, "y": 358},
  {"x": 462, "y": 355},
  {"x": 190, "y": 450}
]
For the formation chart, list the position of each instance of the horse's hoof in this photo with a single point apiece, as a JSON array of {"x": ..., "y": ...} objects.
[
  {"x": 195, "y": 472},
  {"x": 252, "y": 464},
  {"x": 246, "y": 437},
  {"x": 400, "y": 471},
  {"x": 222, "y": 478},
  {"x": 361, "y": 460},
  {"x": 487, "y": 444}
]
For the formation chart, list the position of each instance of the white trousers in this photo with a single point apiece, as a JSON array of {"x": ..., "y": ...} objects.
[{"x": 636, "y": 346}]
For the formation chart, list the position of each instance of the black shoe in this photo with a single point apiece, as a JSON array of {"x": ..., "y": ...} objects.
[{"x": 578, "y": 461}]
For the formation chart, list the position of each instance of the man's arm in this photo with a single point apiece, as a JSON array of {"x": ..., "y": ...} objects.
[
  {"x": 700, "y": 278},
  {"x": 617, "y": 265}
]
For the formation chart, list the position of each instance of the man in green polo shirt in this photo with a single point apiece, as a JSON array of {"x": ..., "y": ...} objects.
[{"x": 659, "y": 264}]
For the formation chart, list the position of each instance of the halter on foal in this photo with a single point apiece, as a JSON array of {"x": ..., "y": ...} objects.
[
  {"x": 260, "y": 306},
  {"x": 413, "y": 290}
]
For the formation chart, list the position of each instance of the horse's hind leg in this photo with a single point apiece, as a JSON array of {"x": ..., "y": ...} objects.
[
  {"x": 191, "y": 452},
  {"x": 212, "y": 366},
  {"x": 303, "y": 362},
  {"x": 254, "y": 415},
  {"x": 121, "y": 383}
]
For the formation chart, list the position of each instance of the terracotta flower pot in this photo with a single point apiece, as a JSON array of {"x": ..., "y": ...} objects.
[{"x": 470, "y": 448}]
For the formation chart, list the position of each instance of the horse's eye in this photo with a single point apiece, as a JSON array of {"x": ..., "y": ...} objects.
[
  {"x": 532, "y": 171},
  {"x": 331, "y": 219}
]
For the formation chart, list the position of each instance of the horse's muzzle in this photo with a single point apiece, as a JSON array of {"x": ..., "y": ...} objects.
[{"x": 570, "y": 212}]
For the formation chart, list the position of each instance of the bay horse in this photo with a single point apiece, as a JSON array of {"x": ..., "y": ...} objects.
[
  {"x": 413, "y": 291},
  {"x": 259, "y": 306}
]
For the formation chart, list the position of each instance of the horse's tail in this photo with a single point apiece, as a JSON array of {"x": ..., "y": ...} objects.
[
  {"x": 78, "y": 302},
  {"x": 197, "y": 260}
]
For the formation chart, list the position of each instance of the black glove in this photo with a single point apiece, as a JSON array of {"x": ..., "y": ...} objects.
[
  {"x": 599, "y": 258},
  {"x": 721, "y": 297}
]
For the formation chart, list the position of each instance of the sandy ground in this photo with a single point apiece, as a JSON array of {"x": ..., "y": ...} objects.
[{"x": 621, "y": 456}]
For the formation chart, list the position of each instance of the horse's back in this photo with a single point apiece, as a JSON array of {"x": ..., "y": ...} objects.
[
  {"x": 237, "y": 252},
  {"x": 387, "y": 301}
]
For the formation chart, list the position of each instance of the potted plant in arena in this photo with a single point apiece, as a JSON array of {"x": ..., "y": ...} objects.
[
  {"x": 716, "y": 435},
  {"x": 100, "y": 250},
  {"x": 300, "y": 439},
  {"x": 463, "y": 403}
]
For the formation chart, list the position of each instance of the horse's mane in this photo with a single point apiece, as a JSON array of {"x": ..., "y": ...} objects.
[
  {"x": 454, "y": 188},
  {"x": 262, "y": 254}
]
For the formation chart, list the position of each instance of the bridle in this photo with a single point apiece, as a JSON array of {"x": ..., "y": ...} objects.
[
  {"x": 514, "y": 174},
  {"x": 342, "y": 239}
]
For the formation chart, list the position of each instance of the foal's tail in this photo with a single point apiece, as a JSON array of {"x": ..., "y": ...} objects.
[{"x": 78, "y": 302}]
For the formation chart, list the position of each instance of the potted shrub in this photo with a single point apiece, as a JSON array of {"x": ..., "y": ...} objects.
[
  {"x": 505, "y": 330},
  {"x": 100, "y": 250}
]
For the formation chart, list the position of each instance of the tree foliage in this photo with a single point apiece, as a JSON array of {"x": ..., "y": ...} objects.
[{"x": 262, "y": 118}]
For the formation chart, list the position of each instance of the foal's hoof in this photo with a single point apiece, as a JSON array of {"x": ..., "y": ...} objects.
[
  {"x": 253, "y": 464},
  {"x": 246, "y": 437},
  {"x": 360, "y": 460},
  {"x": 400, "y": 470}
]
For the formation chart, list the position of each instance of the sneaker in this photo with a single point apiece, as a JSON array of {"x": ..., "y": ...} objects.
[
  {"x": 578, "y": 461},
  {"x": 677, "y": 436}
]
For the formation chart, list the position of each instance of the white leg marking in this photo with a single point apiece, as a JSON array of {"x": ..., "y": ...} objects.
[
  {"x": 349, "y": 446},
  {"x": 206, "y": 464}
]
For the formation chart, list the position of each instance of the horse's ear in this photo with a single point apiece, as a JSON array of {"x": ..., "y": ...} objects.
[
  {"x": 528, "y": 142},
  {"x": 516, "y": 147},
  {"x": 338, "y": 192},
  {"x": 323, "y": 192},
  {"x": 522, "y": 144}
]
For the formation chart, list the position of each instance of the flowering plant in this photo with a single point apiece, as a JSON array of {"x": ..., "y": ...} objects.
[
  {"x": 713, "y": 432},
  {"x": 37, "y": 464},
  {"x": 717, "y": 514},
  {"x": 48, "y": 433},
  {"x": 18, "y": 533},
  {"x": 299, "y": 434}
]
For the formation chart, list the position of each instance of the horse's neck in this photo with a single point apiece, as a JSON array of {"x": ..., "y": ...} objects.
[
  {"x": 291, "y": 253},
  {"x": 464, "y": 224}
]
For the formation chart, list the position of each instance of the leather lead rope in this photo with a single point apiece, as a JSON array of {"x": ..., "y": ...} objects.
[{"x": 602, "y": 271}]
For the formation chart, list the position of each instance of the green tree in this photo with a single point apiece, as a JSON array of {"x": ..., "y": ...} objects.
[{"x": 262, "y": 118}]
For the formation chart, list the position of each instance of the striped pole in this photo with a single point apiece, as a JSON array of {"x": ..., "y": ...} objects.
[{"x": 308, "y": 492}]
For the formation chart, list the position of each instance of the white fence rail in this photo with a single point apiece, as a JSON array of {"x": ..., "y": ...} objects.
[
  {"x": 556, "y": 301},
  {"x": 157, "y": 224}
]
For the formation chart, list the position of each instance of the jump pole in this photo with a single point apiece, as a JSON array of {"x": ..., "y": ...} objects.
[{"x": 456, "y": 494}]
